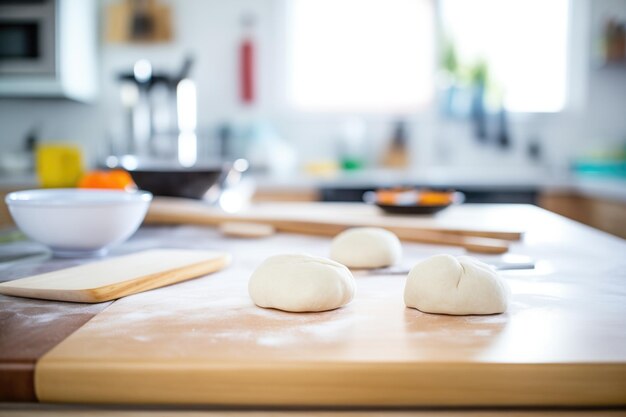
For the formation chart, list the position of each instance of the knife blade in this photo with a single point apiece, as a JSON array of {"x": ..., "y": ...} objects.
[{"x": 403, "y": 270}]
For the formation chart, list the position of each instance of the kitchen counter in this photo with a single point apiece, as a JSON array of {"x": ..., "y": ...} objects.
[
  {"x": 482, "y": 178},
  {"x": 602, "y": 188},
  {"x": 478, "y": 179},
  {"x": 562, "y": 341}
]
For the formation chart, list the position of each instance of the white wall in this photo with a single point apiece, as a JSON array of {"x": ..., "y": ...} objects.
[
  {"x": 600, "y": 119},
  {"x": 209, "y": 29}
]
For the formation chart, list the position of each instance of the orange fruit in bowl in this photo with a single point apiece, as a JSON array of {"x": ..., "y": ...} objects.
[{"x": 116, "y": 179}]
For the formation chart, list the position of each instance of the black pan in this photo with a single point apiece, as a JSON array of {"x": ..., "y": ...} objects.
[
  {"x": 411, "y": 209},
  {"x": 179, "y": 182}
]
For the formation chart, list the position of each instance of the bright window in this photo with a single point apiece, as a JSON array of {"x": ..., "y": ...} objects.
[
  {"x": 360, "y": 55},
  {"x": 523, "y": 42}
]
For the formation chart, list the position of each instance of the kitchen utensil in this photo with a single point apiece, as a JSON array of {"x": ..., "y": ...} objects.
[
  {"x": 403, "y": 270},
  {"x": 78, "y": 223},
  {"x": 396, "y": 155},
  {"x": 118, "y": 277},
  {"x": 179, "y": 211},
  {"x": 162, "y": 178},
  {"x": 332, "y": 213},
  {"x": 145, "y": 94},
  {"x": 178, "y": 181},
  {"x": 411, "y": 209}
]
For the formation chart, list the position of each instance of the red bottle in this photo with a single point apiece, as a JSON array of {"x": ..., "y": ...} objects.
[{"x": 247, "y": 62}]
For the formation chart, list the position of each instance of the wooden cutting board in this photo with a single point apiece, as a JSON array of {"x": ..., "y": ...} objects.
[
  {"x": 482, "y": 233},
  {"x": 118, "y": 277},
  {"x": 561, "y": 343},
  {"x": 465, "y": 220}
]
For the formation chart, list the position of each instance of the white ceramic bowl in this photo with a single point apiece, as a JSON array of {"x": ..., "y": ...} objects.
[{"x": 77, "y": 222}]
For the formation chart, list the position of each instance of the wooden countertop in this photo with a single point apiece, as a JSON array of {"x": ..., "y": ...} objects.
[
  {"x": 29, "y": 328},
  {"x": 28, "y": 410},
  {"x": 563, "y": 341}
]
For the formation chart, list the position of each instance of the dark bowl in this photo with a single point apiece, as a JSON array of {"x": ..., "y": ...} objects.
[
  {"x": 371, "y": 197},
  {"x": 412, "y": 209},
  {"x": 179, "y": 182}
]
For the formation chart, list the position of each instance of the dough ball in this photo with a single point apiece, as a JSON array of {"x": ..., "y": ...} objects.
[
  {"x": 301, "y": 283},
  {"x": 448, "y": 285},
  {"x": 366, "y": 247}
]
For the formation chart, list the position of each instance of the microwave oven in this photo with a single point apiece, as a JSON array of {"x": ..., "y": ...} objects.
[
  {"x": 27, "y": 33},
  {"x": 48, "y": 48}
]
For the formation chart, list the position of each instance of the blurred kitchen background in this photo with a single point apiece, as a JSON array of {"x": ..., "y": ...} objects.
[{"x": 517, "y": 101}]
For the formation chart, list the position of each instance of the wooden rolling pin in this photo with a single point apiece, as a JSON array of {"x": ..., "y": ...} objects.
[{"x": 181, "y": 211}]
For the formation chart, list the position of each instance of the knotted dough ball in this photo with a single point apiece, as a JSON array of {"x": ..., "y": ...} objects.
[
  {"x": 448, "y": 285},
  {"x": 366, "y": 247},
  {"x": 301, "y": 283}
]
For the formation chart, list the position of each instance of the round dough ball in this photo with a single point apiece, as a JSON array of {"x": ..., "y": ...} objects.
[
  {"x": 301, "y": 283},
  {"x": 448, "y": 285},
  {"x": 366, "y": 247}
]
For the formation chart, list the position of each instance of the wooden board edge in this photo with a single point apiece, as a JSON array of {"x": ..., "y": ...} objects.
[
  {"x": 17, "y": 381},
  {"x": 331, "y": 384},
  {"x": 169, "y": 277},
  {"x": 115, "y": 291},
  {"x": 512, "y": 236}
]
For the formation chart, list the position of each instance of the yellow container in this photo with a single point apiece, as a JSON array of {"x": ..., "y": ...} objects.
[{"x": 58, "y": 165}]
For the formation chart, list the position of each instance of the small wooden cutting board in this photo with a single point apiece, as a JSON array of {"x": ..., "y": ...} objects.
[{"x": 118, "y": 277}]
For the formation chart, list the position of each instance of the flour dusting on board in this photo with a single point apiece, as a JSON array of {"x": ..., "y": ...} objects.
[
  {"x": 213, "y": 316},
  {"x": 40, "y": 312},
  {"x": 214, "y": 310}
]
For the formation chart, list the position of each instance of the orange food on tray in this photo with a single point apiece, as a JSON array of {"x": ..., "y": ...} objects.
[
  {"x": 412, "y": 200},
  {"x": 387, "y": 196},
  {"x": 404, "y": 196},
  {"x": 435, "y": 198},
  {"x": 116, "y": 179}
]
